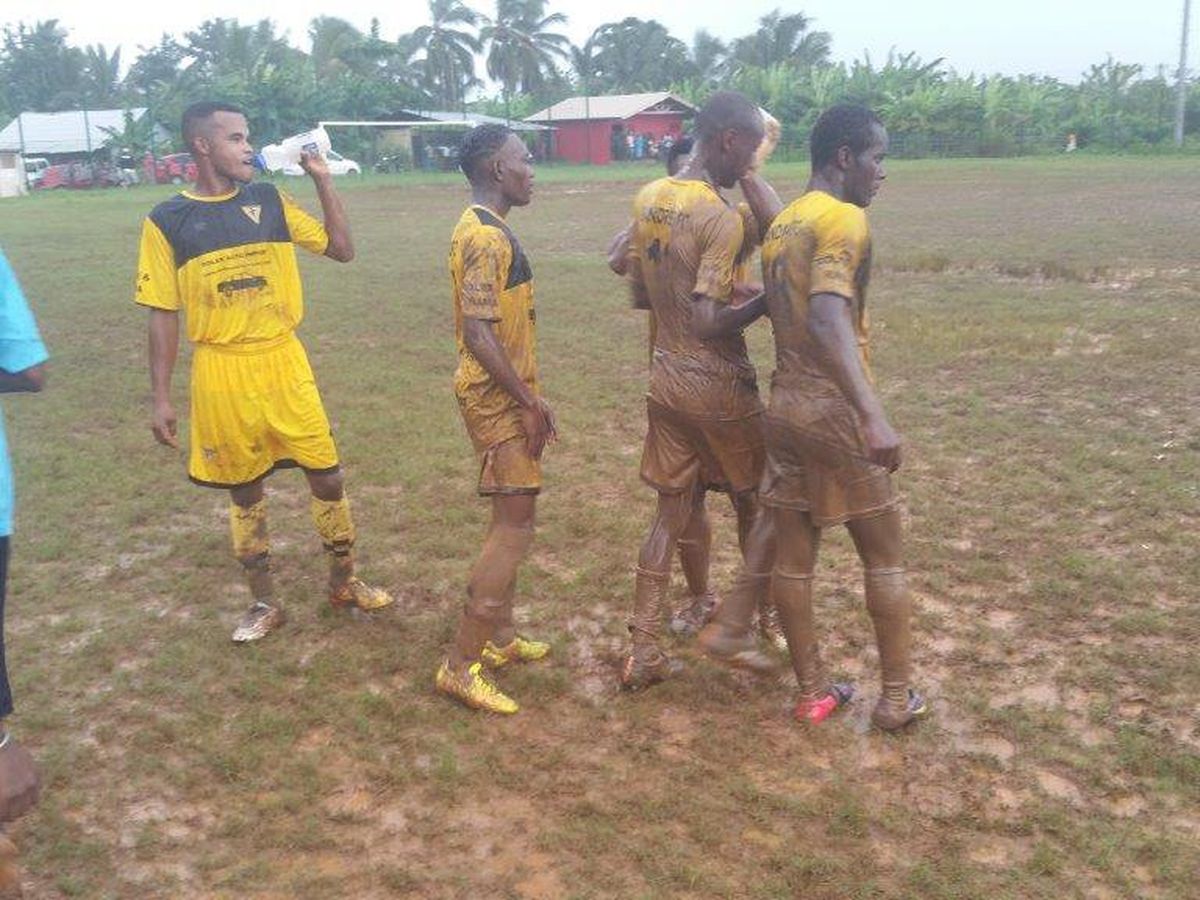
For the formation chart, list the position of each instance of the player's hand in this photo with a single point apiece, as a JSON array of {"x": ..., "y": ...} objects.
[
  {"x": 20, "y": 783},
  {"x": 314, "y": 164},
  {"x": 618, "y": 250},
  {"x": 164, "y": 424},
  {"x": 771, "y": 132},
  {"x": 540, "y": 427},
  {"x": 744, "y": 292},
  {"x": 883, "y": 443}
]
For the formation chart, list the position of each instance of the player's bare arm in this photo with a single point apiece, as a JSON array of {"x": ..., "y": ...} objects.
[
  {"x": 164, "y": 347},
  {"x": 830, "y": 328},
  {"x": 618, "y": 250},
  {"x": 337, "y": 224},
  {"x": 763, "y": 200},
  {"x": 537, "y": 418},
  {"x": 29, "y": 380},
  {"x": 711, "y": 319}
]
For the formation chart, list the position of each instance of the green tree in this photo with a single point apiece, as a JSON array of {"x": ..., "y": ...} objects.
[
  {"x": 640, "y": 55},
  {"x": 448, "y": 48},
  {"x": 38, "y": 71},
  {"x": 782, "y": 39},
  {"x": 522, "y": 51}
]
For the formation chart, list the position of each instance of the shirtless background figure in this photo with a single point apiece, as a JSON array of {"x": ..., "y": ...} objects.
[
  {"x": 830, "y": 447},
  {"x": 703, "y": 407}
]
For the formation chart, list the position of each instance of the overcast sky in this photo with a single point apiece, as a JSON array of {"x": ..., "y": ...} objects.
[{"x": 1050, "y": 37}]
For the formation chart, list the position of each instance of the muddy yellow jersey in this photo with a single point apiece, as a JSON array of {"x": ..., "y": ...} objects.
[
  {"x": 229, "y": 262},
  {"x": 491, "y": 280},
  {"x": 685, "y": 243},
  {"x": 816, "y": 245}
]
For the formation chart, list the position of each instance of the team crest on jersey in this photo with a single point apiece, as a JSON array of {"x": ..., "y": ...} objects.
[{"x": 253, "y": 212}]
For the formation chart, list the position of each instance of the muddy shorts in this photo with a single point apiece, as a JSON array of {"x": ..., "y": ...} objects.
[
  {"x": 833, "y": 486},
  {"x": 681, "y": 450},
  {"x": 505, "y": 466}
]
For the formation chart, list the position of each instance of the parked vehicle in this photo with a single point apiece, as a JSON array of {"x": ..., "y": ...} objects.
[
  {"x": 174, "y": 168},
  {"x": 35, "y": 169},
  {"x": 79, "y": 175},
  {"x": 338, "y": 165}
]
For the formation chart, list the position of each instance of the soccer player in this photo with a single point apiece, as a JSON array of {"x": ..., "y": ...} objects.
[
  {"x": 695, "y": 544},
  {"x": 506, "y": 418},
  {"x": 22, "y": 362},
  {"x": 830, "y": 447},
  {"x": 704, "y": 414},
  {"x": 223, "y": 252}
]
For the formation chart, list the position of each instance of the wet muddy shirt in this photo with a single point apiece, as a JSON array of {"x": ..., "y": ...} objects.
[
  {"x": 492, "y": 281},
  {"x": 685, "y": 242},
  {"x": 229, "y": 262},
  {"x": 817, "y": 245}
]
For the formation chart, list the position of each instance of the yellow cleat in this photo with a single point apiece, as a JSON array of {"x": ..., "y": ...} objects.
[
  {"x": 519, "y": 649},
  {"x": 474, "y": 689},
  {"x": 356, "y": 592}
]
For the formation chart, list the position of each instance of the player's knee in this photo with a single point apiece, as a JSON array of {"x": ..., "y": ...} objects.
[{"x": 328, "y": 486}]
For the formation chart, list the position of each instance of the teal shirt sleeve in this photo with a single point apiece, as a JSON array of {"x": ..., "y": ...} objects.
[{"x": 20, "y": 343}]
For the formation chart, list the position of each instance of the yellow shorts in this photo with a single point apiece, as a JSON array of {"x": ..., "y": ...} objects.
[
  {"x": 254, "y": 412},
  {"x": 832, "y": 485},
  {"x": 681, "y": 450},
  {"x": 508, "y": 468}
]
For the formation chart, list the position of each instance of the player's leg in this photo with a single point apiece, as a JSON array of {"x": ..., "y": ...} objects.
[
  {"x": 488, "y": 608},
  {"x": 695, "y": 547},
  {"x": 331, "y": 514},
  {"x": 879, "y": 541},
  {"x": 796, "y": 558},
  {"x": 252, "y": 548},
  {"x": 647, "y": 664}
]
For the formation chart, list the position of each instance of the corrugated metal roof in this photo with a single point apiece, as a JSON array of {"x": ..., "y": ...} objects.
[
  {"x": 64, "y": 132},
  {"x": 614, "y": 106}
]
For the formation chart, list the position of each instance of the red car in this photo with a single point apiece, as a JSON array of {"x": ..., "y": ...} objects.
[{"x": 175, "y": 168}]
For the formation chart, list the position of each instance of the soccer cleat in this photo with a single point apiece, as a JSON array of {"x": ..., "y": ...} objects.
[
  {"x": 770, "y": 630},
  {"x": 474, "y": 689},
  {"x": 814, "y": 712},
  {"x": 258, "y": 621},
  {"x": 519, "y": 649},
  {"x": 356, "y": 592},
  {"x": 738, "y": 652},
  {"x": 638, "y": 674},
  {"x": 887, "y": 717},
  {"x": 695, "y": 615}
]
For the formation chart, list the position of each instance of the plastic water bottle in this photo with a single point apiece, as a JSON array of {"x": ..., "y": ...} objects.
[{"x": 274, "y": 157}]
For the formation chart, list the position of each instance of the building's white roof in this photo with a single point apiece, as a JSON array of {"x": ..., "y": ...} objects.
[
  {"x": 64, "y": 132},
  {"x": 614, "y": 106}
]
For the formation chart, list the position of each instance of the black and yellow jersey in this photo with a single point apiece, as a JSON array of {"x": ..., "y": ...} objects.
[
  {"x": 491, "y": 280},
  {"x": 228, "y": 261}
]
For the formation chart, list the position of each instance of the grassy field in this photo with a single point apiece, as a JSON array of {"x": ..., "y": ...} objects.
[{"x": 1037, "y": 343}]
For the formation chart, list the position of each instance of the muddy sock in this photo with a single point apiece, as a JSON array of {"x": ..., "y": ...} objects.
[
  {"x": 252, "y": 547},
  {"x": 737, "y": 608},
  {"x": 891, "y": 612},
  {"x": 649, "y": 601},
  {"x": 694, "y": 551},
  {"x": 336, "y": 528},
  {"x": 793, "y": 598}
]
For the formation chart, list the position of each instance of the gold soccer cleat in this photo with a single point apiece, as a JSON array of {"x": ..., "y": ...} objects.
[
  {"x": 474, "y": 689},
  {"x": 258, "y": 621},
  {"x": 519, "y": 649},
  {"x": 356, "y": 592}
]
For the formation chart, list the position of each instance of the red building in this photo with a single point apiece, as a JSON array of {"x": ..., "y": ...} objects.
[{"x": 597, "y": 129}]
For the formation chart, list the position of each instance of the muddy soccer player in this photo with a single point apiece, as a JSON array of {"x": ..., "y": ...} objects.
[
  {"x": 695, "y": 544},
  {"x": 508, "y": 422},
  {"x": 703, "y": 410},
  {"x": 223, "y": 252},
  {"x": 831, "y": 451}
]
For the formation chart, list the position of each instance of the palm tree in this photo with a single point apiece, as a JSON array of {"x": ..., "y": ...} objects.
[
  {"x": 521, "y": 47},
  {"x": 449, "y": 51},
  {"x": 782, "y": 39},
  {"x": 334, "y": 43},
  {"x": 101, "y": 76}
]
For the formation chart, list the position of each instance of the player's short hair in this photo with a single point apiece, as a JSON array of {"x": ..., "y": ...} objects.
[
  {"x": 844, "y": 125},
  {"x": 724, "y": 110},
  {"x": 681, "y": 147},
  {"x": 198, "y": 113},
  {"x": 479, "y": 144}
]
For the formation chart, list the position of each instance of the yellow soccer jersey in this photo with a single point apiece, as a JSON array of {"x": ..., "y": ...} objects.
[
  {"x": 229, "y": 263},
  {"x": 817, "y": 245},
  {"x": 492, "y": 280},
  {"x": 686, "y": 240}
]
